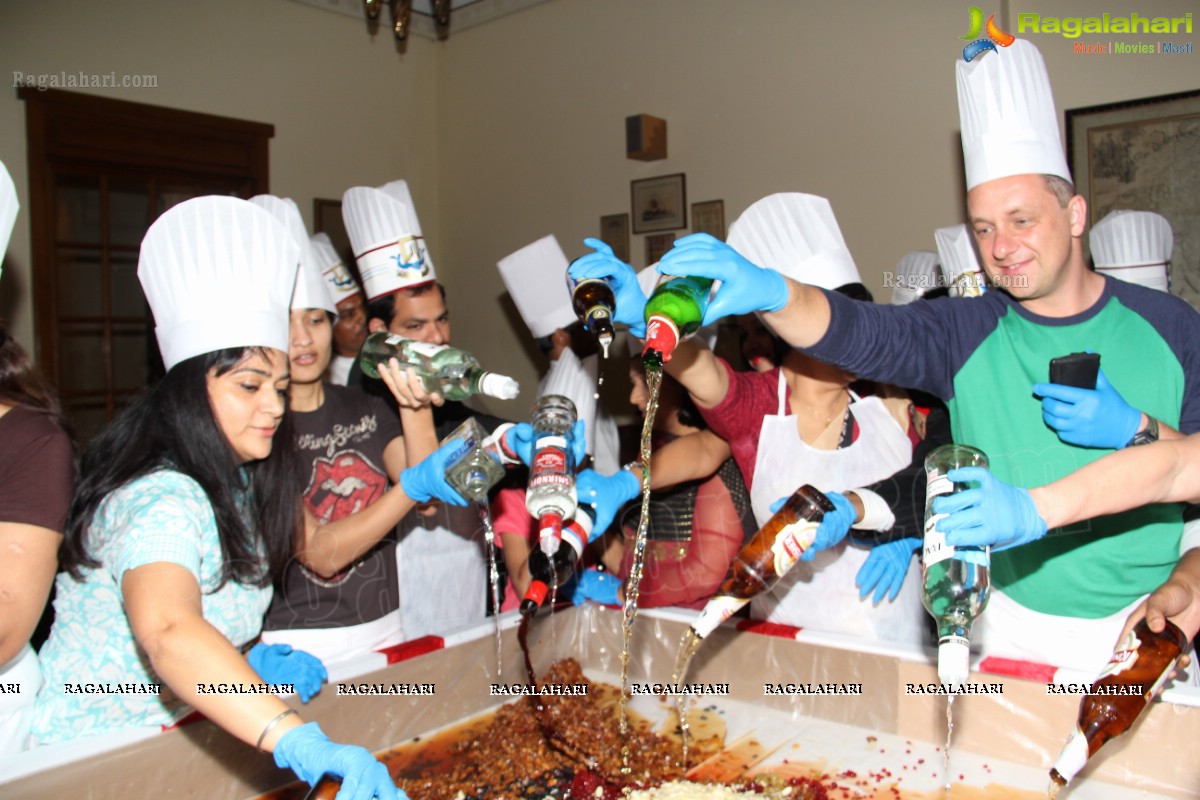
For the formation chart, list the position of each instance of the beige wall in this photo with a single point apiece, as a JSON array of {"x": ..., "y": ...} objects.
[{"x": 514, "y": 129}]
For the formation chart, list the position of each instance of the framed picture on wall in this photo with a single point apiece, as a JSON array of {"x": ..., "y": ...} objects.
[
  {"x": 658, "y": 204},
  {"x": 657, "y": 246},
  {"x": 709, "y": 217},
  {"x": 1140, "y": 155},
  {"x": 327, "y": 219},
  {"x": 614, "y": 232}
]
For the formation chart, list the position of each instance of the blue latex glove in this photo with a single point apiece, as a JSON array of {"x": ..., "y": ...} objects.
[
  {"x": 279, "y": 663},
  {"x": 833, "y": 528},
  {"x": 745, "y": 287},
  {"x": 427, "y": 480},
  {"x": 309, "y": 753},
  {"x": 599, "y": 587},
  {"x": 519, "y": 440},
  {"x": 991, "y": 513},
  {"x": 884, "y": 570},
  {"x": 1097, "y": 417},
  {"x": 606, "y": 494},
  {"x": 631, "y": 303}
]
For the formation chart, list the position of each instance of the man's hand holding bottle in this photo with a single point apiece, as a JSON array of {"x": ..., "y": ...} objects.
[
  {"x": 631, "y": 301},
  {"x": 745, "y": 287},
  {"x": 990, "y": 513},
  {"x": 606, "y": 494}
]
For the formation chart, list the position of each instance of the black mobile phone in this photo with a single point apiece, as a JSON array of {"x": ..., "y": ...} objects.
[{"x": 1077, "y": 369}]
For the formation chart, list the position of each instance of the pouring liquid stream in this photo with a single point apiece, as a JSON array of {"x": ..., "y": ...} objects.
[
  {"x": 949, "y": 734},
  {"x": 489, "y": 538},
  {"x": 653, "y": 384},
  {"x": 687, "y": 648}
]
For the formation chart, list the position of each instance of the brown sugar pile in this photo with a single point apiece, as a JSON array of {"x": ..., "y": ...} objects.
[{"x": 558, "y": 746}]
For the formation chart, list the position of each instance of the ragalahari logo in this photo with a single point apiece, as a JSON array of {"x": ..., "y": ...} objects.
[{"x": 995, "y": 35}]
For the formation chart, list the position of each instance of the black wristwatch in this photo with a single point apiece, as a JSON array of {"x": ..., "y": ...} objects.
[{"x": 1150, "y": 434}]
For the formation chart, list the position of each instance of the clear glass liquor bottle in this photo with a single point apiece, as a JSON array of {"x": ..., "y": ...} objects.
[
  {"x": 550, "y": 494},
  {"x": 955, "y": 584},
  {"x": 453, "y": 373},
  {"x": 470, "y": 469}
]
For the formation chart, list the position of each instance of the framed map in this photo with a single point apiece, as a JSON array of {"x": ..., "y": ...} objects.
[{"x": 1144, "y": 155}]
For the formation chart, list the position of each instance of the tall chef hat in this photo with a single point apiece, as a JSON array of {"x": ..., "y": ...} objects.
[
  {"x": 917, "y": 273},
  {"x": 386, "y": 236},
  {"x": 9, "y": 205},
  {"x": 219, "y": 273},
  {"x": 338, "y": 280},
  {"x": 797, "y": 235},
  {"x": 960, "y": 265},
  {"x": 1134, "y": 246},
  {"x": 534, "y": 277},
  {"x": 1006, "y": 111},
  {"x": 648, "y": 279},
  {"x": 310, "y": 291}
]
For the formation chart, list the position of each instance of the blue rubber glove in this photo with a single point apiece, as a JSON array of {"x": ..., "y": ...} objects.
[
  {"x": 519, "y": 440},
  {"x": 833, "y": 528},
  {"x": 279, "y": 663},
  {"x": 1097, "y": 417},
  {"x": 745, "y": 287},
  {"x": 427, "y": 480},
  {"x": 991, "y": 513},
  {"x": 631, "y": 303},
  {"x": 884, "y": 570},
  {"x": 309, "y": 753},
  {"x": 606, "y": 494},
  {"x": 599, "y": 587}
]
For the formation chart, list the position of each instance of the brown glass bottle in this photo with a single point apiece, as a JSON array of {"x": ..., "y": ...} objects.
[
  {"x": 1137, "y": 670},
  {"x": 325, "y": 789},
  {"x": 594, "y": 301},
  {"x": 771, "y": 552}
]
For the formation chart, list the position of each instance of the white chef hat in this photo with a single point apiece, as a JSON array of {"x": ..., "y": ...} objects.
[
  {"x": 386, "y": 236},
  {"x": 1134, "y": 246},
  {"x": 218, "y": 272},
  {"x": 917, "y": 273},
  {"x": 9, "y": 205},
  {"x": 534, "y": 277},
  {"x": 650, "y": 278},
  {"x": 1006, "y": 111},
  {"x": 338, "y": 280},
  {"x": 797, "y": 235},
  {"x": 956, "y": 249},
  {"x": 310, "y": 291}
]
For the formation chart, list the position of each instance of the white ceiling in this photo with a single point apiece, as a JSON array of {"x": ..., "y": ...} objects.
[{"x": 464, "y": 13}]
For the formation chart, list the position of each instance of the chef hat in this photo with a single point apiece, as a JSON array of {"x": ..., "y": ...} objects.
[
  {"x": 9, "y": 205},
  {"x": 797, "y": 235},
  {"x": 534, "y": 278},
  {"x": 218, "y": 272},
  {"x": 648, "y": 279},
  {"x": 1006, "y": 111},
  {"x": 338, "y": 280},
  {"x": 1134, "y": 246},
  {"x": 917, "y": 273},
  {"x": 960, "y": 265},
  {"x": 310, "y": 291},
  {"x": 386, "y": 236}
]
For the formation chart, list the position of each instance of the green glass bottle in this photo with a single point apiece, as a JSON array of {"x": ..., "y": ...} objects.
[
  {"x": 455, "y": 374},
  {"x": 673, "y": 313}
]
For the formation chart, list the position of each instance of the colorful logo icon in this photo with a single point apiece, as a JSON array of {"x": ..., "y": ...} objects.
[{"x": 995, "y": 35}]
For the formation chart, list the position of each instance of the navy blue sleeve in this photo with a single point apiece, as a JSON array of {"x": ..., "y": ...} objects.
[
  {"x": 917, "y": 346},
  {"x": 1179, "y": 326}
]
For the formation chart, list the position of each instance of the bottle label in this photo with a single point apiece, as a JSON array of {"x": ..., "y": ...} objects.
[
  {"x": 549, "y": 467},
  {"x": 791, "y": 542},
  {"x": 935, "y": 548},
  {"x": 597, "y": 312},
  {"x": 427, "y": 349},
  {"x": 719, "y": 608}
]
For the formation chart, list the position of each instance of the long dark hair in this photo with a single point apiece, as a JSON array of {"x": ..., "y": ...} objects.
[
  {"x": 172, "y": 426},
  {"x": 21, "y": 384}
]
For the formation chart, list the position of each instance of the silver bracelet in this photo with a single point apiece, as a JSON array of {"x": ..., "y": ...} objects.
[{"x": 272, "y": 724}]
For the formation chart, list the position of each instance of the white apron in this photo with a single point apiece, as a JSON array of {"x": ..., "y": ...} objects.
[
  {"x": 443, "y": 570},
  {"x": 333, "y": 645},
  {"x": 20, "y": 681},
  {"x": 821, "y": 594}
]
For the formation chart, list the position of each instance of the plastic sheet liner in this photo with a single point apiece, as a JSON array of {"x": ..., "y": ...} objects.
[{"x": 1007, "y": 738}]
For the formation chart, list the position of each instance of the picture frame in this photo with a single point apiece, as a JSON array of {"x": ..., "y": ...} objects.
[
  {"x": 614, "y": 232},
  {"x": 1140, "y": 155},
  {"x": 657, "y": 245},
  {"x": 658, "y": 204},
  {"x": 709, "y": 217}
]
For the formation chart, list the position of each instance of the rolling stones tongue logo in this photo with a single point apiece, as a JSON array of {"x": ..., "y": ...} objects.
[{"x": 342, "y": 485}]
